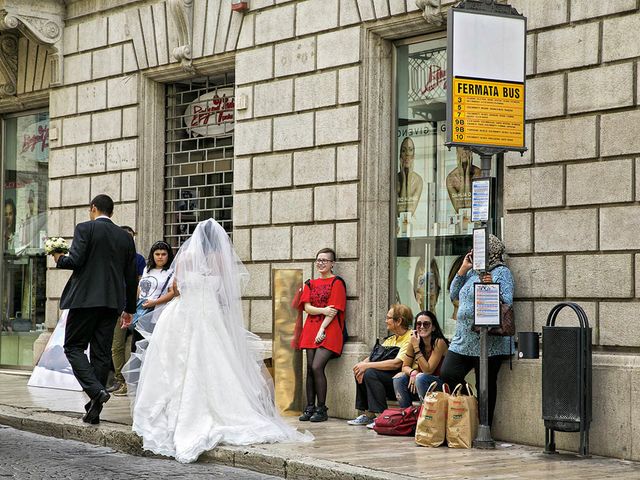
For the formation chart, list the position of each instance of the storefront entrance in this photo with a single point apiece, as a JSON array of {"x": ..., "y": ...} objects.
[
  {"x": 25, "y": 165},
  {"x": 433, "y": 228}
]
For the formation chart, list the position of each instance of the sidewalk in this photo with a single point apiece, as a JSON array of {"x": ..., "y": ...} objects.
[{"x": 339, "y": 451}]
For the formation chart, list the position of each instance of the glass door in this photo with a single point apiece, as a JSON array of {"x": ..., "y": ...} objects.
[
  {"x": 25, "y": 177},
  {"x": 433, "y": 229}
]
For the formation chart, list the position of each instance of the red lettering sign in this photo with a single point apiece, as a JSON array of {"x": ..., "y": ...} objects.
[
  {"x": 212, "y": 113},
  {"x": 220, "y": 108},
  {"x": 437, "y": 77},
  {"x": 30, "y": 142}
]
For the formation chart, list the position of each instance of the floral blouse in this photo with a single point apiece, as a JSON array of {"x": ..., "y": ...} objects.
[{"x": 466, "y": 341}]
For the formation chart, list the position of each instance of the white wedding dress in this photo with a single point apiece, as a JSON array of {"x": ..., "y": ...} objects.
[{"x": 202, "y": 381}]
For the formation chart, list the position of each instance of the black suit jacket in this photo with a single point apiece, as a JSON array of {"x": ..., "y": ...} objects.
[{"x": 103, "y": 259}]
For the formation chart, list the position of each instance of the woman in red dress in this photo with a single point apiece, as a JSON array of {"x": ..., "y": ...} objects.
[{"x": 324, "y": 300}]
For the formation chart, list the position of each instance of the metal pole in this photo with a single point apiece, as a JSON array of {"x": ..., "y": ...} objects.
[{"x": 483, "y": 438}]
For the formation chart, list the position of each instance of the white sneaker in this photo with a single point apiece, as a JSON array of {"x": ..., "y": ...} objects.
[
  {"x": 360, "y": 420},
  {"x": 371, "y": 425}
]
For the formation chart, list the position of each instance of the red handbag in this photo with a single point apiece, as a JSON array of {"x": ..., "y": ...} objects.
[{"x": 397, "y": 421}]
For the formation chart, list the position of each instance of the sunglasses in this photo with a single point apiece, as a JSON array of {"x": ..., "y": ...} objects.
[{"x": 423, "y": 324}]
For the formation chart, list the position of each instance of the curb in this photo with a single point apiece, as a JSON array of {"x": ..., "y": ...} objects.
[{"x": 120, "y": 437}]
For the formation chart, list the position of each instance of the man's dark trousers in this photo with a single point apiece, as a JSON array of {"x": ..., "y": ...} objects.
[{"x": 91, "y": 327}]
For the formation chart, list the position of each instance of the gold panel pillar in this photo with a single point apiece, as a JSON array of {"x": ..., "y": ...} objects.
[{"x": 287, "y": 361}]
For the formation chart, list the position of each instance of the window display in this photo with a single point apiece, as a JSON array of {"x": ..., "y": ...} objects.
[
  {"x": 433, "y": 185},
  {"x": 25, "y": 176}
]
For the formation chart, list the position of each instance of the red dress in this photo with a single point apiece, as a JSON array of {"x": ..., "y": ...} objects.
[{"x": 324, "y": 292}]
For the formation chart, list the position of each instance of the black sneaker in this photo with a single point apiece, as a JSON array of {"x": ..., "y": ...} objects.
[
  {"x": 308, "y": 413},
  {"x": 320, "y": 415}
]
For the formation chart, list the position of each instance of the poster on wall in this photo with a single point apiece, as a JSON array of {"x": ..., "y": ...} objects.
[
  {"x": 416, "y": 146},
  {"x": 30, "y": 228},
  {"x": 456, "y": 170},
  {"x": 9, "y": 219},
  {"x": 405, "y": 273},
  {"x": 418, "y": 282},
  {"x": 428, "y": 289}
]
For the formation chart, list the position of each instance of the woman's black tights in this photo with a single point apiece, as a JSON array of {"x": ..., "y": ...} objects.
[{"x": 317, "y": 359}]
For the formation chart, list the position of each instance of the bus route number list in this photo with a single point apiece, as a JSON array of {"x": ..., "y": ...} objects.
[{"x": 488, "y": 113}]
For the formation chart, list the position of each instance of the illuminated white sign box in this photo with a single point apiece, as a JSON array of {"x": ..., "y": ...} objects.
[{"x": 488, "y": 47}]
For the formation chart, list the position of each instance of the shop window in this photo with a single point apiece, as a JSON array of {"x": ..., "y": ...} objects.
[
  {"x": 199, "y": 155},
  {"x": 432, "y": 210},
  {"x": 25, "y": 189}
]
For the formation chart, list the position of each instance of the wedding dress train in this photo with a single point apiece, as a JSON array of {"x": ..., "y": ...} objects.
[{"x": 202, "y": 380}]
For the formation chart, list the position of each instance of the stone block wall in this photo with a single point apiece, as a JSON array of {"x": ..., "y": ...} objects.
[
  {"x": 570, "y": 202},
  {"x": 95, "y": 116},
  {"x": 297, "y": 143},
  {"x": 571, "y": 211}
]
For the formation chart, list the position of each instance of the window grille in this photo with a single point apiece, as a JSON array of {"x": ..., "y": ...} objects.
[{"x": 199, "y": 155}]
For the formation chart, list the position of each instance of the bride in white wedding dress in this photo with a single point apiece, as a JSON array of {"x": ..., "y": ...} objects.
[{"x": 201, "y": 379}]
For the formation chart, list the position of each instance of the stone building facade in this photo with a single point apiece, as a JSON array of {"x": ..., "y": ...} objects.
[{"x": 314, "y": 159}]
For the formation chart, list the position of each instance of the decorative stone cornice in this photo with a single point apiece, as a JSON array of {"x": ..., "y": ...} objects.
[
  {"x": 41, "y": 21},
  {"x": 182, "y": 13},
  {"x": 8, "y": 64},
  {"x": 431, "y": 11},
  {"x": 41, "y": 26}
]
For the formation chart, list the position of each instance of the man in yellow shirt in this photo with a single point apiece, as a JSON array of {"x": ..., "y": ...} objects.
[{"x": 374, "y": 380}]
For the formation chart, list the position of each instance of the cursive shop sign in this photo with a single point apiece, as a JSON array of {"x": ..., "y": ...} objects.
[{"x": 211, "y": 114}]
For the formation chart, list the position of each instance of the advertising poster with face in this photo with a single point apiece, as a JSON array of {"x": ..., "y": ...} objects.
[
  {"x": 458, "y": 167},
  {"x": 416, "y": 145},
  {"x": 10, "y": 211},
  {"x": 30, "y": 224}
]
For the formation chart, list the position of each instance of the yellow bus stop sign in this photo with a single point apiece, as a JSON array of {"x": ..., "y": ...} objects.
[{"x": 487, "y": 113}]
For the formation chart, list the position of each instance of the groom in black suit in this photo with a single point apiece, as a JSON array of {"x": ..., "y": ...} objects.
[{"x": 104, "y": 282}]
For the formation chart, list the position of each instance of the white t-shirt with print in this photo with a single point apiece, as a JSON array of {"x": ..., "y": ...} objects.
[{"x": 151, "y": 283}]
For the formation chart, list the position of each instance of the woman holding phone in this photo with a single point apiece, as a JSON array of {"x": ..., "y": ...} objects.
[{"x": 464, "y": 351}]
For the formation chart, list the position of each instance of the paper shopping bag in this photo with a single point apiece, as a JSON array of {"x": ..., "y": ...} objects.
[
  {"x": 432, "y": 422},
  {"x": 462, "y": 418}
]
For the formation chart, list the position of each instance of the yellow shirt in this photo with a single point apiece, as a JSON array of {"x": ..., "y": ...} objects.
[{"x": 401, "y": 341}]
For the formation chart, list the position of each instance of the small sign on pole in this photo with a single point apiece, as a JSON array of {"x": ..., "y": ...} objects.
[
  {"x": 480, "y": 199},
  {"x": 480, "y": 239},
  {"x": 487, "y": 304}
]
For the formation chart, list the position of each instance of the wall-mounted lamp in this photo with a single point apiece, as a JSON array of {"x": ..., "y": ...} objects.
[{"x": 239, "y": 6}]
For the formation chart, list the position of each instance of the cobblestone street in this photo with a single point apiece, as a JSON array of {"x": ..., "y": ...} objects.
[{"x": 27, "y": 456}]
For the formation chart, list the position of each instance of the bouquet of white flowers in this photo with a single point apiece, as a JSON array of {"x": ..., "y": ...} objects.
[{"x": 56, "y": 245}]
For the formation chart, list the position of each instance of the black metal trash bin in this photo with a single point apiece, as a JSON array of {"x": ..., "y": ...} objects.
[
  {"x": 566, "y": 378},
  {"x": 528, "y": 345}
]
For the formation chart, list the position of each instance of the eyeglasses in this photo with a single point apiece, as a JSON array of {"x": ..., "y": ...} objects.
[
  {"x": 323, "y": 261},
  {"x": 423, "y": 324}
]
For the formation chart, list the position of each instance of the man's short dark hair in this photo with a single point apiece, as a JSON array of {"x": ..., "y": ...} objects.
[
  {"x": 103, "y": 204},
  {"x": 128, "y": 229}
]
